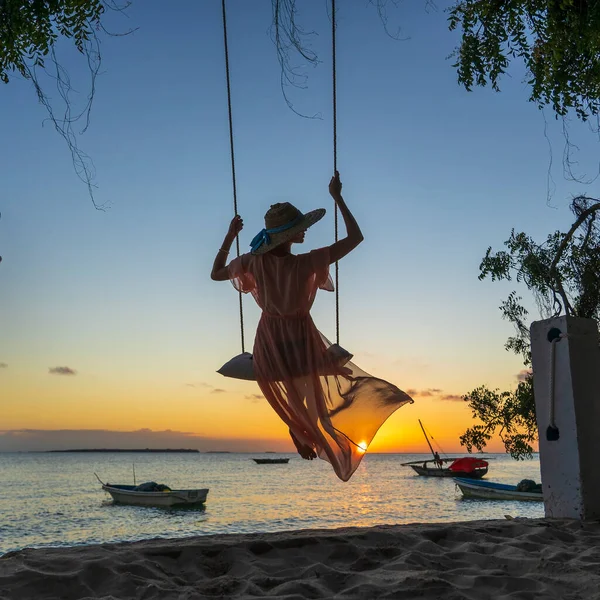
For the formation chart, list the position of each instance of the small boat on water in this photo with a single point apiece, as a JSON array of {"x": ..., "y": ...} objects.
[
  {"x": 490, "y": 490},
  {"x": 153, "y": 494},
  {"x": 271, "y": 461},
  {"x": 467, "y": 467}
]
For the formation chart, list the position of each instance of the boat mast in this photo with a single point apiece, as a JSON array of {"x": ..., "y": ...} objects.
[{"x": 428, "y": 442}]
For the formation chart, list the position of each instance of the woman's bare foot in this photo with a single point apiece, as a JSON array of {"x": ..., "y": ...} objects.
[{"x": 306, "y": 452}]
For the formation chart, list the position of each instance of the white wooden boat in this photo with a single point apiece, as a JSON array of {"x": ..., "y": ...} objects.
[
  {"x": 489, "y": 490},
  {"x": 130, "y": 494},
  {"x": 468, "y": 467}
]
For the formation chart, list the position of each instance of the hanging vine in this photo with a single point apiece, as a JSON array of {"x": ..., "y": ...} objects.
[{"x": 29, "y": 32}]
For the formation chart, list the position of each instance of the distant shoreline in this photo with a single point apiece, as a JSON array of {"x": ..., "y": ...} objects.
[{"x": 172, "y": 450}]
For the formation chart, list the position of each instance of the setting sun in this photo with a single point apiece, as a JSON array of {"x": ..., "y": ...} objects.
[{"x": 362, "y": 447}]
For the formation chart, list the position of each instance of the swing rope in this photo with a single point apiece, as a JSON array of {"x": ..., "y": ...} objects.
[
  {"x": 235, "y": 206},
  {"x": 335, "y": 213},
  {"x": 231, "y": 146}
]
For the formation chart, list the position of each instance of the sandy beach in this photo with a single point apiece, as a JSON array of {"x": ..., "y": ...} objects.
[{"x": 512, "y": 558}]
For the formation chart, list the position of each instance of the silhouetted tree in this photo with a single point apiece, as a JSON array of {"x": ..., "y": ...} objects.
[
  {"x": 29, "y": 32},
  {"x": 558, "y": 41},
  {"x": 563, "y": 275}
]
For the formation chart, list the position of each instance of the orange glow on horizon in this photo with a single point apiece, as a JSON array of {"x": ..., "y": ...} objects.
[{"x": 206, "y": 412}]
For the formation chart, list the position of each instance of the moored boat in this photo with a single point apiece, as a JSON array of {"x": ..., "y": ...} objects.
[
  {"x": 469, "y": 467},
  {"x": 490, "y": 490},
  {"x": 271, "y": 461},
  {"x": 152, "y": 494}
]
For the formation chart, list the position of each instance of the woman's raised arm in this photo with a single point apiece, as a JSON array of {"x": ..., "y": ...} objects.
[
  {"x": 219, "y": 270},
  {"x": 354, "y": 235}
]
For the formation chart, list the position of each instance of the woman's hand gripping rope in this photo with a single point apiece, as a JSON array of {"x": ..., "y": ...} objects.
[{"x": 236, "y": 225}]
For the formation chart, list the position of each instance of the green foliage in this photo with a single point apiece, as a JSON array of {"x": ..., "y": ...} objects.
[
  {"x": 563, "y": 275},
  {"x": 558, "y": 40},
  {"x": 509, "y": 414},
  {"x": 30, "y": 28}
]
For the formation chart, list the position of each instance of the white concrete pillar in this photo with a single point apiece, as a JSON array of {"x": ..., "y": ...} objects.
[{"x": 570, "y": 465}]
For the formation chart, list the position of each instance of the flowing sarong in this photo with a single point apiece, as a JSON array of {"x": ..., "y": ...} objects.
[{"x": 334, "y": 408}]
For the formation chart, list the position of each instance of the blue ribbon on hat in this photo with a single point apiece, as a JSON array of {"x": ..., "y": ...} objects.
[{"x": 264, "y": 237}]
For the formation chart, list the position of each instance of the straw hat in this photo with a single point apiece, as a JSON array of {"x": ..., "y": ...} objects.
[{"x": 282, "y": 222}]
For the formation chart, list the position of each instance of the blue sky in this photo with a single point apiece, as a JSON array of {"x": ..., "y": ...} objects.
[{"x": 434, "y": 175}]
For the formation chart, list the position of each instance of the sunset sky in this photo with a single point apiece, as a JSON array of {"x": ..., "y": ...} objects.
[{"x": 109, "y": 320}]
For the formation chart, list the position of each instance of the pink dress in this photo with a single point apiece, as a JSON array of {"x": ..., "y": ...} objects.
[{"x": 335, "y": 409}]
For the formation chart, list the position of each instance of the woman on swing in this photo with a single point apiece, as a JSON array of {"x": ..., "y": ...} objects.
[{"x": 332, "y": 408}]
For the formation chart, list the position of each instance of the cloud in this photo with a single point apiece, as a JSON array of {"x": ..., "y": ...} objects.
[
  {"x": 452, "y": 397},
  {"x": 62, "y": 371},
  {"x": 433, "y": 393},
  {"x": 3, "y": 366},
  {"x": 218, "y": 391},
  {"x": 254, "y": 398},
  {"x": 424, "y": 393},
  {"x": 523, "y": 374}
]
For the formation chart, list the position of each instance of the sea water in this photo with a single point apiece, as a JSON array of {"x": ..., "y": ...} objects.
[{"x": 54, "y": 499}]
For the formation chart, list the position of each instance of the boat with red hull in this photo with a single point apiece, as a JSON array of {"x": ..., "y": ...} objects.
[{"x": 467, "y": 467}]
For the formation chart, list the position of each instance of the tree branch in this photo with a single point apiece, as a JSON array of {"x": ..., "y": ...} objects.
[{"x": 553, "y": 267}]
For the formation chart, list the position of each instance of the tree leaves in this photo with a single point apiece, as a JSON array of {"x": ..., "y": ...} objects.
[
  {"x": 509, "y": 414},
  {"x": 29, "y": 28},
  {"x": 558, "y": 40},
  {"x": 563, "y": 274}
]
